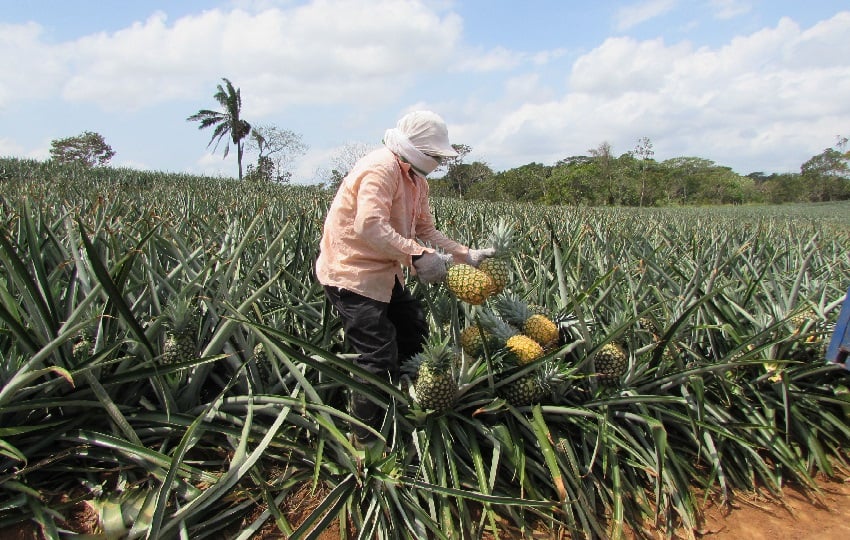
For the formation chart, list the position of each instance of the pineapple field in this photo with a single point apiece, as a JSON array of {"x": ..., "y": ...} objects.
[{"x": 170, "y": 368}]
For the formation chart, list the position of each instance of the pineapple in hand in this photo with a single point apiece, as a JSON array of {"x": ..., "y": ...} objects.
[
  {"x": 469, "y": 284},
  {"x": 498, "y": 267}
]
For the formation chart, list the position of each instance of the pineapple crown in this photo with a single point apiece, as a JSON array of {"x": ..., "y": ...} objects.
[
  {"x": 502, "y": 238},
  {"x": 437, "y": 353},
  {"x": 180, "y": 314},
  {"x": 491, "y": 322},
  {"x": 512, "y": 309}
]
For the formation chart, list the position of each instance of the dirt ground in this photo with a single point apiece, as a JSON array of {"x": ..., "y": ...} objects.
[
  {"x": 754, "y": 518},
  {"x": 751, "y": 518}
]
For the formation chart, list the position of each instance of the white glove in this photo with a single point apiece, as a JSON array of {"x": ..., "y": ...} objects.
[
  {"x": 475, "y": 256},
  {"x": 431, "y": 267}
]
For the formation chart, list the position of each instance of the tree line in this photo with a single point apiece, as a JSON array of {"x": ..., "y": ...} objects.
[
  {"x": 636, "y": 179},
  {"x": 599, "y": 178}
]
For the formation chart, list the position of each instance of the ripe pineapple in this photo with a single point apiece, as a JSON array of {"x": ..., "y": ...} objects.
[
  {"x": 799, "y": 320},
  {"x": 611, "y": 363},
  {"x": 435, "y": 386},
  {"x": 538, "y": 327},
  {"x": 498, "y": 267},
  {"x": 470, "y": 284},
  {"x": 522, "y": 348},
  {"x": 472, "y": 341},
  {"x": 181, "y": 328}
]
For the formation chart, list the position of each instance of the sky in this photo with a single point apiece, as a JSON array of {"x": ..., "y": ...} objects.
[{"x": 755, "y": 85}]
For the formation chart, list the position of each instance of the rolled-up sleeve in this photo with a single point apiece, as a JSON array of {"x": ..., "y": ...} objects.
[{"x": 428, "y": 233}]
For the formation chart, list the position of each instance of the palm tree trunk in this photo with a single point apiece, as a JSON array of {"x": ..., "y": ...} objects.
[{"x": 239, "y": 158}]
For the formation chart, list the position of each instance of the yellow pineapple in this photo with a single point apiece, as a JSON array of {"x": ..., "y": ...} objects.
[
  {"x": 498, "y": 267},
  {"x": 521, "y": 348},
  {"x": 536, "y": 326},
  {"x": 799, "y": 320},
  {"x": 469, "y": 284}
]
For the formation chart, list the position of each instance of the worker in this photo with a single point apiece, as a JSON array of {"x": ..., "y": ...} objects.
[{"x": 380, "y": 222}]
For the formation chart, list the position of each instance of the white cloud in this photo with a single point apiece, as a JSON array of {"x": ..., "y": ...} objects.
[
  {"x": 30, "y": 67},
  {"x": 729, "y": 9},
  {"x": 635, "y": 14},
  {"x": 327, "y": 51},
  {"x": 775, "y": 96}
]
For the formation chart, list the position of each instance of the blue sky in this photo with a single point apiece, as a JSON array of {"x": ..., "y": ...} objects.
[{"x": 756, "y": 85}]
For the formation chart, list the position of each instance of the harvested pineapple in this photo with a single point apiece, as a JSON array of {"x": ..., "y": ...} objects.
[
  {"x": 469, "y": 284},
  {"x": 498, "y": 267}
]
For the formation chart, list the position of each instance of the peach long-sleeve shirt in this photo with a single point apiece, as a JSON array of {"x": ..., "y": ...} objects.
[{"x": 373, "y": 224}]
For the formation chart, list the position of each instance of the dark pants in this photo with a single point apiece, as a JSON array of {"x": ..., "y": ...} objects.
[{"x": 383, "y": 335}]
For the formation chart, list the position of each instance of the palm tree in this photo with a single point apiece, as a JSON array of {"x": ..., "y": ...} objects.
[{"x": 225, "y": 122}]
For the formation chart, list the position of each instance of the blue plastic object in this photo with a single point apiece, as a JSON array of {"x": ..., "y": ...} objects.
[{"x": 839, "y": 346}]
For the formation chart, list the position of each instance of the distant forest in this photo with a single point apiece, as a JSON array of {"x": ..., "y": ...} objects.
[{"x": 636, "y": 179}]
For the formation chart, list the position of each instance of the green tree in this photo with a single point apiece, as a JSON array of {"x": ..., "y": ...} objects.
[
  {"x": 827, "y": 174},
  {"x": 455, "y": 181},
  {"x": 526, "y": 183},
  {"x": 276, "y": 150},
  {"x": 88, "y": 149},
  {"x": 610, "y": 174},
  {"x": 226, "y": 122},
  {"x": 643, "y": 152}
]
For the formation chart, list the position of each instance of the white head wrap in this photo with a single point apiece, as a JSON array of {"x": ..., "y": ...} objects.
[{"x": 418, "y": 136}]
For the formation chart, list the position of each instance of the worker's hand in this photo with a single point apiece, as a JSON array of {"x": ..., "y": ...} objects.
[
  {"x": 432, "y": 267},
  {"x": 475, "y": 256}
]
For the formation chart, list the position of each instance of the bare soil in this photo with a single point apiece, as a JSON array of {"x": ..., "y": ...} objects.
[
  {"x": 752, "y": 517},
  {"x": 796, "y": 517}
]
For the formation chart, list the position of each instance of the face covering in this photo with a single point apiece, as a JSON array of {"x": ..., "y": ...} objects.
[{"x": 400, "y": 145}]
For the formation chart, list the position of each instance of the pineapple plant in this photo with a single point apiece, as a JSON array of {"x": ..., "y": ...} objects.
[
  {"x": 498, "y": 267},
  {"x": 522, "y": 348},
  {"x": 534, "y": 325},
  {"x": 435, "y": 386},
  {"x": 470, "y": 284},
  {"x": 181, "y": 328},
  {"x": 611, "y": 363}
]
